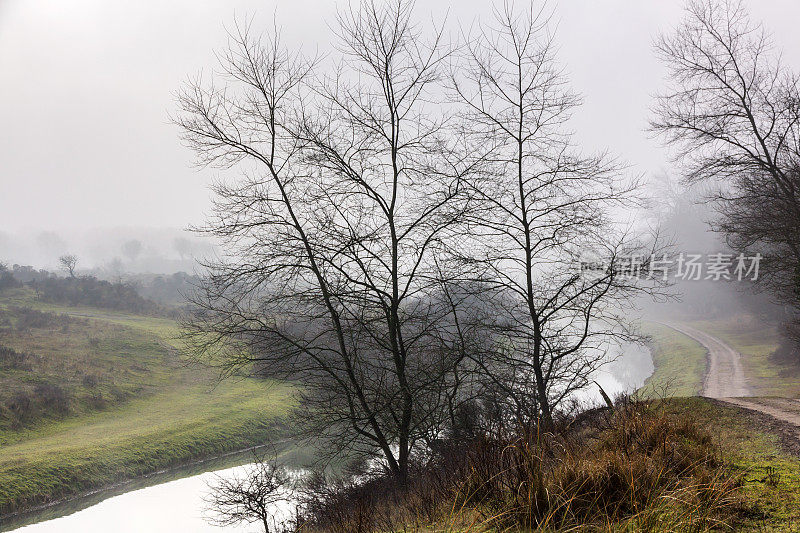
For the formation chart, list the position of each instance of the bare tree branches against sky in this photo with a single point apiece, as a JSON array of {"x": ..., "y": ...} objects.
[{"x": 87, "y": 86}]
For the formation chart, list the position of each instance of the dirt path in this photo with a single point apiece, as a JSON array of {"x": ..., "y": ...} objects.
[
  {"x": 781, "y": 408},
  {"x": 725, "y": 381},
  {"x": 724, "y": 374}
]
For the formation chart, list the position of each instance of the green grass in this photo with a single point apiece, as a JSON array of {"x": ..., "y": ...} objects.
[
  {"x": 165, "y": 328},
  {"x": 770, "y": 476},
  {"x": 679, "y": 362},
  {"x": 158, "y": 410},
  {"x": 142, "y": 436},
  {"x": 92, "y": 363}
]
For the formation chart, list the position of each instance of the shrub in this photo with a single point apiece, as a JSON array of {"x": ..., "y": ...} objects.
[
  {"x": 52, "y": 398},
  {"x": 7, "y": 279},
  {"x": 28, "y": 318},
  {"x": 90, "y": 381},
  {"x": 10, "y": 358},
  {"x": 23, "y": 407},
  {"x": 93, "y": 292}
]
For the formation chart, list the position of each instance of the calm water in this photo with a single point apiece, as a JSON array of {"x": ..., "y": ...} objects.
[
  {"x": 169, "y": 502},
  {"x": 169, "y": 507}
]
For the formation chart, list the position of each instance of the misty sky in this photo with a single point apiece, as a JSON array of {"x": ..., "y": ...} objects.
[{"x": 87, "y": 87}]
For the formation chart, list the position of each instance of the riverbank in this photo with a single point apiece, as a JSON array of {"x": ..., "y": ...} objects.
[
  {"x": 87, "y": 453},
  {"x": 128, "y": 403},
  {"x": 288, "y": 452},
  {"x": 679, "y": 363}
]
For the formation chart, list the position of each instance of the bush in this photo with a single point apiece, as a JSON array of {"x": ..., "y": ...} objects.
[
  {"x": 23, "y": 407},
  {"x": 12, "y": 359},
  {"x": 52, "y": 398},
  {"x": 7, "y": 279},
  {"x": 27, "y": 319}
]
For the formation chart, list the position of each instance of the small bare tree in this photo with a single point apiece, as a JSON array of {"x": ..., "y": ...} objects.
[
  {"x": 254, "y": 496},
  {"x": 732, "y": 111},
  {"x": 68, "y": 263},
  {"x": 545, "y": 206}
]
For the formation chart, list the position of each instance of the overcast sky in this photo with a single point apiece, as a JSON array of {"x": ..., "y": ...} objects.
[{"x": 86, "y": 87}]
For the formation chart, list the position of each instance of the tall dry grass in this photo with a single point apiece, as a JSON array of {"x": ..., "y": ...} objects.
[{"x": 638, "y": 468}]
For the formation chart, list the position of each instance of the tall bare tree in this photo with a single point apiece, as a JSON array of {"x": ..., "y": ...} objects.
[
  {"x": 732, "y": 111},
  {"x": 352, "y": 189},
  {"x": 545, "y": 205}
]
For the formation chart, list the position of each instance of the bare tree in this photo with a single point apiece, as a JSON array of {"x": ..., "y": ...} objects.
[
  {"x": 732, "y": 111},
  {"x": 545, "y": 205},
  {"x": 68, "y": 263},
  {"x": 132, "y": 249},
  {"x": 254, "y": 496},
  {"x": 353, "y": 188}
]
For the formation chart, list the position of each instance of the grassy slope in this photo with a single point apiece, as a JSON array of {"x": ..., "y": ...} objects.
[
  {"x": 767, "y": 496},
  {"x": 679, "y": 361},
  {"x": 178, "y": 413},
  {"x": 770, "y": 476},
  {"x": 94, "y": 363}
]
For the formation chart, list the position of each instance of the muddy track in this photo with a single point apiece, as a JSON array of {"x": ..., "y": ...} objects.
[{"x": 783, "y": 409}]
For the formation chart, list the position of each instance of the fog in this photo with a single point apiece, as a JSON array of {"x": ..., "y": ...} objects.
[
  {"x": 91, "y": 163},
  {"x": 88, "y": 87},
  {"x": 108, "y": 252}
]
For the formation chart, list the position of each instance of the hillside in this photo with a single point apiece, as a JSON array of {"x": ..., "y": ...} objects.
[{"x": 89, "y": 397}]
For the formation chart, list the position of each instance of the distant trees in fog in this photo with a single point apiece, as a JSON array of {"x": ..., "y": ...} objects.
[
  {"x": 732, "y": 110},
  {"x": 7, "y": 279},
  {"x": 131, "y": 249},
  {"x": 404, "y": 240},
  {"x": 89, "y": 291}
]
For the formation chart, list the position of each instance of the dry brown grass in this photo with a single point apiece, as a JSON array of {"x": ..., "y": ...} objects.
[{"x": 639, "y": 468}]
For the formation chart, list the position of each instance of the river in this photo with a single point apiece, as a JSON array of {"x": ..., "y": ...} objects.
[{"x": 173, "y": 501}]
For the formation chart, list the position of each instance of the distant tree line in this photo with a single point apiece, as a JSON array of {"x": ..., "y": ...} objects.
[
  {"x": 7, "y": 278},
  {"x": 77, "y": 290},
  {"x": 90, "y": 291}
]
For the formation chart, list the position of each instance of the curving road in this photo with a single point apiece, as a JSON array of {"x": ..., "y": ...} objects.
[
  {"x": 724, "y": 374},
  {"x": 725, "y": 379}
]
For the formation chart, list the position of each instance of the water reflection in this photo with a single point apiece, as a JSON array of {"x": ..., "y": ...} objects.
[
  {"x": 168, "y": 507},
  {"x": 169, "y": 502}
]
